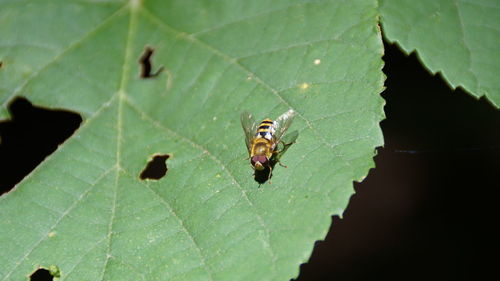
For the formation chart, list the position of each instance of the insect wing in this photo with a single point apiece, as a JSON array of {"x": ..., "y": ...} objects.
[
  {"x": 283, "y": 123},
  {"x": 249, "y": 127}
]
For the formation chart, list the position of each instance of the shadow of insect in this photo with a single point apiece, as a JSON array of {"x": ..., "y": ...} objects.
[{"x": 285, "y": 143}]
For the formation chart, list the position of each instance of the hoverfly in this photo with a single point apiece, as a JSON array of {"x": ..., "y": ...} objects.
[{"x": 262, "y": 139}]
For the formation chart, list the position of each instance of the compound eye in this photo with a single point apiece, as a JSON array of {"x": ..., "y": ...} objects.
[{"x": 261, "y": 159}]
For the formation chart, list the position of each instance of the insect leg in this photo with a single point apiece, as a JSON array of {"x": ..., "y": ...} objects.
[
  {"x": 277, "y": 158},
  {"x": 282, "y": 165},
  {"x": 270, "y": 174}
]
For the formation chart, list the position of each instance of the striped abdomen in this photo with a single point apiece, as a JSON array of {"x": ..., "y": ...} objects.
[{"x": 266, "y": 129}]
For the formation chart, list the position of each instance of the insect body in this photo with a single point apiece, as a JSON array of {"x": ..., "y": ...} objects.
[{"x": 262, "y": 139}]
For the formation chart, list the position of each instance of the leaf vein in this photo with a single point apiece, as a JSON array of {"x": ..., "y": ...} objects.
[
  {"x": 56, "y": 223},
  {"x": 60, "y": 55},
  {"x": 269, "y": 12},
  {"x": 216, "y": 160},
  {"x": 183, "y": 229}
]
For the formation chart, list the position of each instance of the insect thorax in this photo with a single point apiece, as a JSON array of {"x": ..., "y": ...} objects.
[{"x": 262, "y": 146}]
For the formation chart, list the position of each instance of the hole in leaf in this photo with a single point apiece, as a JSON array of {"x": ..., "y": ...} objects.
[
  {"x": 146, "y": 64},
  {"x": 43, "y": 274},
  {"x": 32, "y": 134},
  {"x": 156, "y": 167}
]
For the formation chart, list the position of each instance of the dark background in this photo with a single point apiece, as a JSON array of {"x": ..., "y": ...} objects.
[{"x": 427, "y": 212}]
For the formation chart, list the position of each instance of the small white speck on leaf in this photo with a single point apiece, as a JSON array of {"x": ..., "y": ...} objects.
[
  {"x": 317, "y": 61},
  {"x": 304, "y": 86},
  {"x": 135, "y": 4}
]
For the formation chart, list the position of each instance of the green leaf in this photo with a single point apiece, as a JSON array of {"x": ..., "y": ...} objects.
[
  {"x": 85, "y": 209},
  {"x": 458, "y": 38}
]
